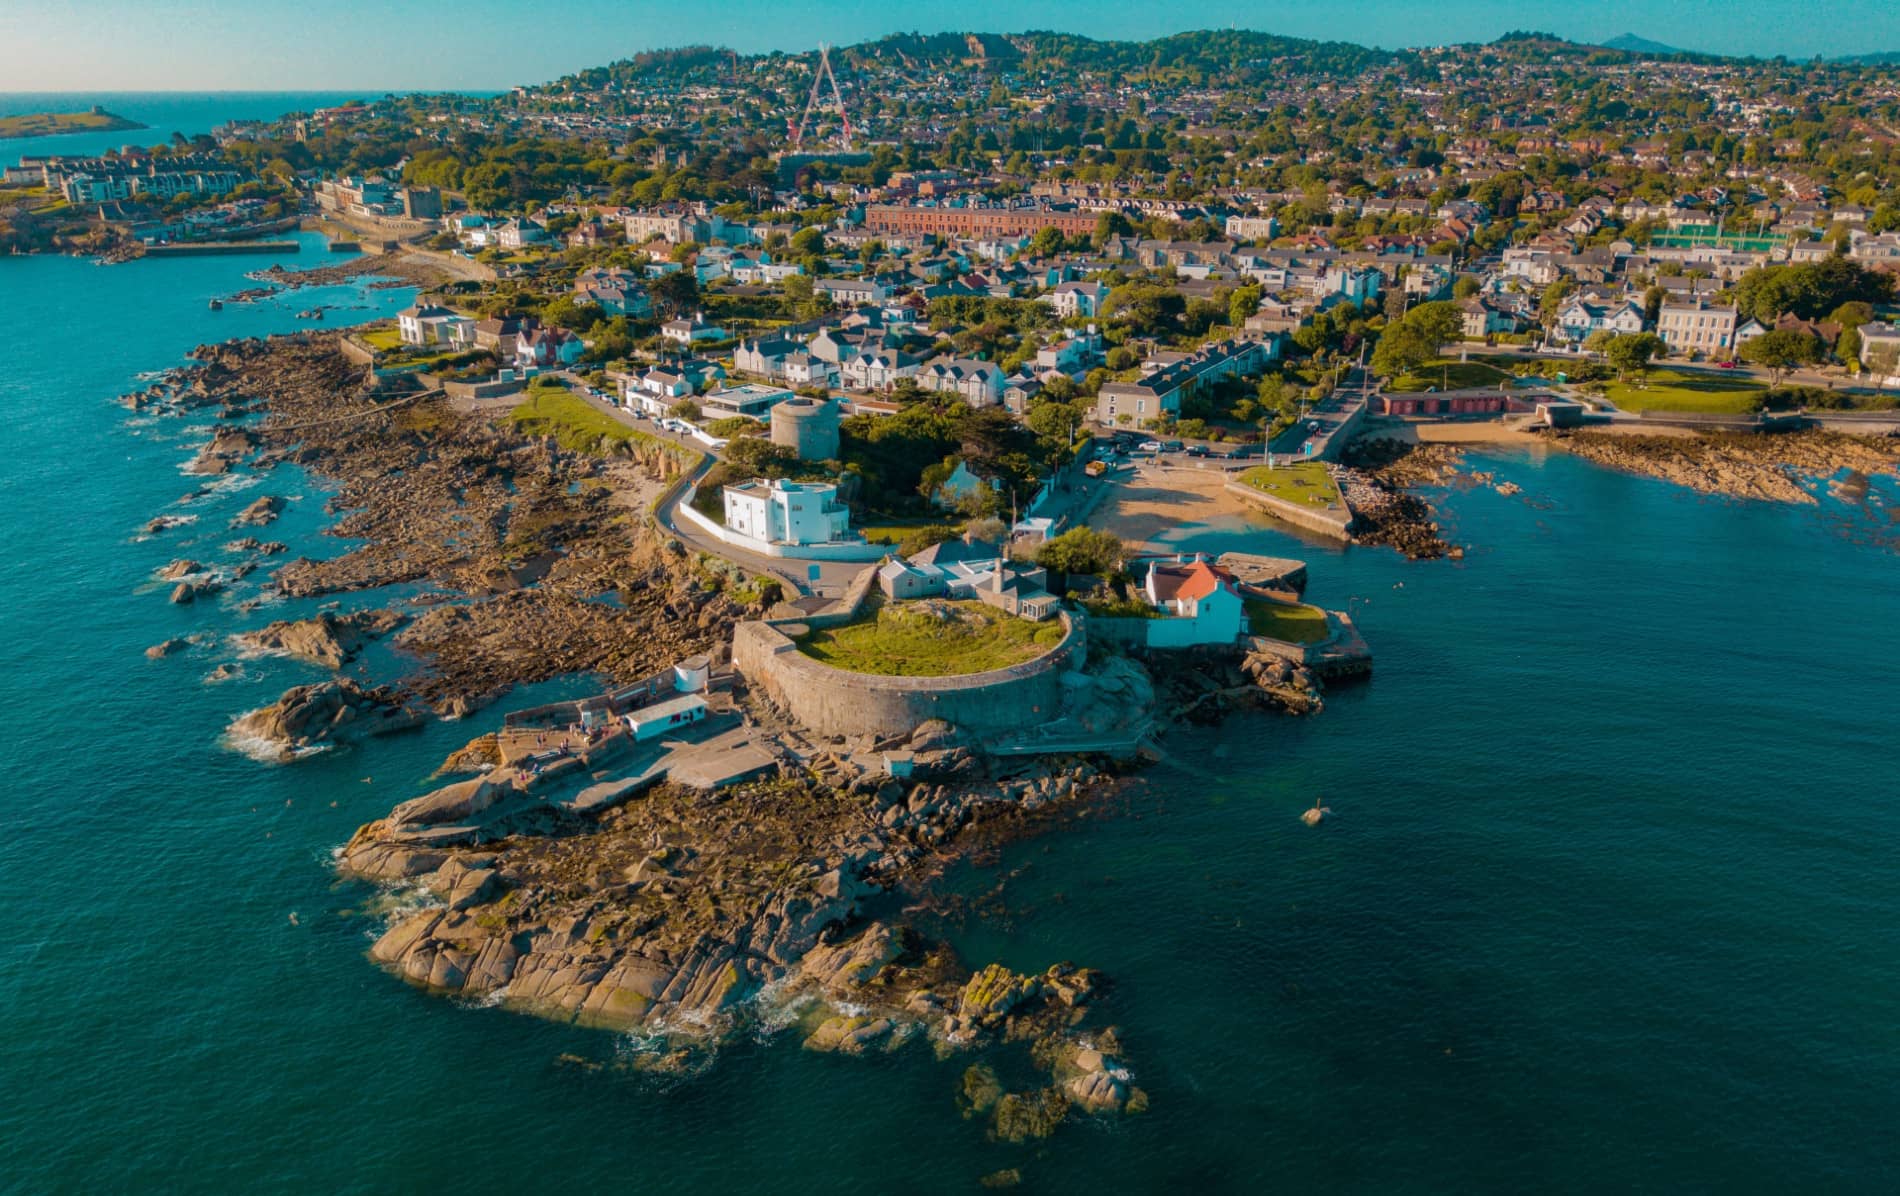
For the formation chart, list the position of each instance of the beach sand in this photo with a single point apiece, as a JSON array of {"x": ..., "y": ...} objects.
[{"x": 1153, "y": 501}]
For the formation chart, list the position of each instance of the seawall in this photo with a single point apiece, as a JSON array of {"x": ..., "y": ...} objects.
[{"x": 1325, "y": 523}]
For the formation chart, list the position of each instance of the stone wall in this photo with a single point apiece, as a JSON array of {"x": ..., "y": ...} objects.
[
  {"x": 1325, "y": 522},
  {"x": 832, "y": 702}
]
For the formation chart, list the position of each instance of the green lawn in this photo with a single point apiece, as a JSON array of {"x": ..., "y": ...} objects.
[
  {"x": 553, "y": 410},
  {"x": 931, "y": 639},
  {"x": 1446, "y": 374},
  {"x": 383, "y": 340},
  {"x": 1296, "y": 623},
  {"x": 1682, "y": 390},
  {"x": 1304, "y": 481}
]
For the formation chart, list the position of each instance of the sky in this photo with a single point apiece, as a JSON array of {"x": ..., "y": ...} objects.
[{"x": 401, "y": 45}]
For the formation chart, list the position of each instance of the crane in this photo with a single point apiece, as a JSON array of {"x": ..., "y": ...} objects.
[{"x": 819, "y": 78}]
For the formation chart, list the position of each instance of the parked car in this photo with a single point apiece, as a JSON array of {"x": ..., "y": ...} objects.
[
  {"x": 1149, "y": 446},
  {"x": 1171, "y": 446},
  {"x": 1095, "y": 469},
  {"x": 1198, "y": 450}
]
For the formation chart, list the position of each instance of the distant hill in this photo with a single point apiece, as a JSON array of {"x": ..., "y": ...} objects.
[
  {"x": 1882, "y": 58},
  {"x": 1631, "y": 44}
]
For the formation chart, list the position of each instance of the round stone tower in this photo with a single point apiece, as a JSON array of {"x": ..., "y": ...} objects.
[{"x": 809, "y": 427}]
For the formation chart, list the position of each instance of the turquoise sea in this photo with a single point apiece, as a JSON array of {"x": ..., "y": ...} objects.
[
  {"x": 164, "y": 112},
  {"x": 1608, "y": 899}
]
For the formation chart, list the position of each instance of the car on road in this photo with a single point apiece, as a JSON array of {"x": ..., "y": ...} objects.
[
  {"x": 1197, "y": 450},
  {"x": 1724, "y": 365},
  {"x": 1171, "y": 446},
  {"x": 1312, "y": 425},
  {"x": 1149, "y": 446}
]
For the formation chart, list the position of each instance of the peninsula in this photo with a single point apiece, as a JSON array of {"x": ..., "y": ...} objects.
[{"x": 55, "y": 124}]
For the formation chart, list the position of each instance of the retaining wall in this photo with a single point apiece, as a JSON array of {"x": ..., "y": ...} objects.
[
  {"x": 833, "y": 702},
  {"x": 845, "y": 551},
  {"x": 1326, "y": 523}
]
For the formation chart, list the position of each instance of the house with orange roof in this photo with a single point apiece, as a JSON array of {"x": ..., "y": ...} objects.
[{"x": 1199, "y": 603}]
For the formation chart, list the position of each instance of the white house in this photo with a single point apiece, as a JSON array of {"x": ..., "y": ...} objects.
[
  {"x": 1072, "y": 299},
  {"x": 1580, "y": 317},
  {"x": 1198, "y": 601},
  {"x": 848, "y": 292},
  {"x": 428, "y": 324},
  {"x": 979, "y": 382},
  {"x": 687, "y": 332},
  {"x": 782, "y": 512}
]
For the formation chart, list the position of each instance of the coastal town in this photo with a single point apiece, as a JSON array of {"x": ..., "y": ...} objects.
[{"x": 885, "y": 454}]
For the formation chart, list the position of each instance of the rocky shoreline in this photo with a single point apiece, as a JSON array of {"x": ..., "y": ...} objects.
[
  {"x": 1377, "y": 480},
  {"x": 1777, "y": 467},
  {"x": 694, "y": 915},
  {"x": 684, "y": 913}
]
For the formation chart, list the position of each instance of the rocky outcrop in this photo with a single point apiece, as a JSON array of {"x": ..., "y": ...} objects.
[
  {"x": 265, "y": 510},
  {"x": 1768, "y": 466},
  {"x": 329, "y": 640},
  {"x": 329, "y": 713}
]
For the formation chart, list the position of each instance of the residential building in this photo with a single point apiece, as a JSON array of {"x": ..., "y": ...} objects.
[
  {"x": 1696, "y": 327},
  {"x": 979, "y": 382},
  {"x": 782, "y": 512},
  {"x": 1199, "y": 601},
  {"x": 615, "y": 292},
  {"x": 429, "y": 324}
]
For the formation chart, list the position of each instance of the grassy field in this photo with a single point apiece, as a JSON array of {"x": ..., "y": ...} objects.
[
  {"x": 1684, "y": 390},
  {"x": 931, "y": 639},
  {"x": 1305, "y": 481},
  {"x": 1295, "y": 623},
  {"x": 383, "y": 340},
  {"x": 1446, "y": 374},
  {"x": 553, "y": 410}
]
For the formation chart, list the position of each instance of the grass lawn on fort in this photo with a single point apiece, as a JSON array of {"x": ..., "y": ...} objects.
[
  {"x": 1294, "y": 622},
  {"x": 1302, "y": 482},
  {"x": 933, "y": 638}
]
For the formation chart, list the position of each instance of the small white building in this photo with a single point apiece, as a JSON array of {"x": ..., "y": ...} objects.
[
  {"x": 650, "y": 722},
  {"x": 782, "y": 512}
]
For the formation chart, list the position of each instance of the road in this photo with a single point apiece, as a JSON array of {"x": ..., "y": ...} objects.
[
  {"x": 1354, "y": 391},
  {"x": 794, "y": 572}
]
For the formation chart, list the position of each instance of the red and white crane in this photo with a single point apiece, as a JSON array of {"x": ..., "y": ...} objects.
[{"x": 819, "y": 78}]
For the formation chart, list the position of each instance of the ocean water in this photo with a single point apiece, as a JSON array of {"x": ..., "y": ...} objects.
[
  {"x": 166, "y": 112},
  {"x": 1607, "y": 900}
]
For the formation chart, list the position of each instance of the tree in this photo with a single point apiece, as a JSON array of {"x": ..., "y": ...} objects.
[
  {"x": 1437, "y": 324},
  {"x": 1847, "y": 347},
  {"x": 1242, "y": 304},
  {"x": 1883, "y": 362},
  {"x": 1082, "y": 550},
  {"x": 808, "y": 242},
  {"x": 1552, "y": 301},
  {"x": 1599, "y": 341},
  {"x": 676, "y": 293},
  {"x": 684, "y": 409},
  {"x": 1400, "y": 351},
  {"x": 1465, "y": 287},
  {"x": 1047, "y": 242},
  {"x": 1632, "y": 353},
  {"x": 1781, "y": 351}
]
